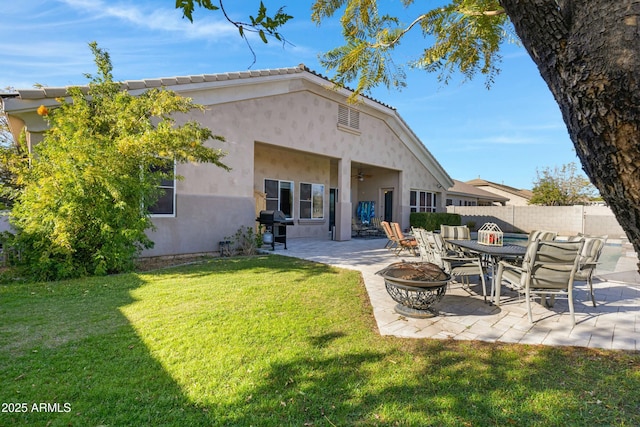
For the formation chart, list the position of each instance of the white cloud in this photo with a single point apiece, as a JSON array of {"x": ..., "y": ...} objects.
[{"x": 156, "y": 18}]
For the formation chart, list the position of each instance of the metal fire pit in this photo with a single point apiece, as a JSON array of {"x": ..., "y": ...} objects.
[{"x": 416, "y": 287}]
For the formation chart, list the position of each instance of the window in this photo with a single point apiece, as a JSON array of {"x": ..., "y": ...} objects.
[
  {"x": 422, "y": 201},
  {"x": 279, "y": 196},
  {"x": 311, "y": 201},
  {"x": 166, "y": 203}
]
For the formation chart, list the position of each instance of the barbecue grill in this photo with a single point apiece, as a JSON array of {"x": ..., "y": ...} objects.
[{"x": 276, "y": 222}]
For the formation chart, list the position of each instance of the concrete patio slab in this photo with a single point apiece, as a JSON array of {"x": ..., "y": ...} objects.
[{"x": 613, "y": 324}]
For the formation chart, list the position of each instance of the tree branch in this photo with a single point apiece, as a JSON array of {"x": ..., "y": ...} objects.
[
  {"x": 262, "y": 24},
  {"x": 484, "y": 13},
  {"x": 420, "y": 18},
  {"x": 401, "y": 34},
  {"x": 240, "y": 28}
]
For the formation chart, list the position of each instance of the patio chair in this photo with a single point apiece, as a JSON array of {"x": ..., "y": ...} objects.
[
  {"x": 376, "y": 226},
  {"x": 404, "y": 243},
  {"x": 392, "y": 240},
  {"x": 548, "y": 269},
  {"x": 456, "y": 264},
  {"x": 589, "y": 257},
  {"x": 534, "y": 235},
  {"x": 357, "y": 227},
  {"x": 424, "y": 248},
  {"x": 543, "y": 235},
  {"x": 454, "y": 232}
]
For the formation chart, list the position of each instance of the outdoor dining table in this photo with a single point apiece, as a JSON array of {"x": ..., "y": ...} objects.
[{"x": 493, "y": 254}]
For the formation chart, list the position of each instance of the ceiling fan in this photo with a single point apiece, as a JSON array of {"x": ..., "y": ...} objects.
[{"x": 361, "y": 176}]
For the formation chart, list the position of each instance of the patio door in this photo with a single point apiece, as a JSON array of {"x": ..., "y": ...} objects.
[
  {"x": 387, "y": 212},
  {"x": 333, "y": 196}
]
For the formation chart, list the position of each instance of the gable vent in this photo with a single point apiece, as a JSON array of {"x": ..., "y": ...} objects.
[{"x": 348, "y": 117}]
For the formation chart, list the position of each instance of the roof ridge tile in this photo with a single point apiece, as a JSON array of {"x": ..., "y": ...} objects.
[{"x": 57, "y": 91}]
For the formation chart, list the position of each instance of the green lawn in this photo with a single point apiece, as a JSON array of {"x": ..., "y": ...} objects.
[{"x": 275, "y": 341}]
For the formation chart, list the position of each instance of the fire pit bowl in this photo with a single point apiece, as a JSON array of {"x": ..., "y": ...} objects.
[{"x": 415, "y": 286}]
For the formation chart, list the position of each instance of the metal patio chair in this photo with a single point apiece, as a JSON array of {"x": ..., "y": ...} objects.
[{"x": 548, "y": 269}]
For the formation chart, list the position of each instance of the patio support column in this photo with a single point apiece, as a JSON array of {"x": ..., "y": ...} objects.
[
  {"x": 403, "y": 208},
  {"x": 343, "y": 205}
]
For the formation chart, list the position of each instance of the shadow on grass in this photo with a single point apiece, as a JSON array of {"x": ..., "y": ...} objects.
[
  {"x": 347, "y": 375},
  {"x": 444, "y": 383},
  {"x": 69, "y": 357},
  {"x": 70, "y": 343},
  {"x": 258, "y": 264}
]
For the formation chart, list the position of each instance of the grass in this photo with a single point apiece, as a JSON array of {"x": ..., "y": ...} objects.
[{"x": 275, "y": 341}]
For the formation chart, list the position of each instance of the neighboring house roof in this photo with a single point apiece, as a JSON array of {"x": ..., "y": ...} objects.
[
  {"x": 463, "y": 189},
  {"x": 22, "y": 103},
  {"x": 527, "y": 194}
]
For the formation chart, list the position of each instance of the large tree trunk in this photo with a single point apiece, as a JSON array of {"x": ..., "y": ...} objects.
[{"x": 588, "y": 52}]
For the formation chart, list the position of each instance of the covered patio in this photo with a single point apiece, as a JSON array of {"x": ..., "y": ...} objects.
[{"x": 613, "y": 324}]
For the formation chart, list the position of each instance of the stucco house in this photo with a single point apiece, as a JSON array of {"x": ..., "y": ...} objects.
[
  {"x": 294, "y": 144},
  {"x": 515, "y": 196},
  {"x": 463, "y": 194}
]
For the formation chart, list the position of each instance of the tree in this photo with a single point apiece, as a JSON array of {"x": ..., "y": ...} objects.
[
  {"x": 561, "y": 186},
  {"x": 586, "y": 52},
  {"x": 12, "y": 156},
  {"x": 87, "y": 187}
]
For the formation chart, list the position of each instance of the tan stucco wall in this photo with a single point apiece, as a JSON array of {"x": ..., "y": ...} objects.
[
  {"x": 289, "y": 165},
  {"x": 371, "y": 189},
  {"x": 200, "y": 224},
  {"x": 291, "y": 137},
  {"x": 296, "y": 111}
]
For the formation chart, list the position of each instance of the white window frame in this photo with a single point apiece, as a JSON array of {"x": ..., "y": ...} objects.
[
  {"x": 165, "y": 186},
  {"x": 315, "y": 206},
  {"x": 277, "y": 199},
  {"x": 429, "y": 204}
]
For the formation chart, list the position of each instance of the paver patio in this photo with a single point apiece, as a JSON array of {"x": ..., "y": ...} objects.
[{"x": 613, "y": 324}]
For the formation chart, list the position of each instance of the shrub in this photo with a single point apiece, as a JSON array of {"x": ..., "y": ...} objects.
[
  {"x": 432, "y": 220},
  {"x": 246, "y": 241},
  {"x": 83, "y": 206}
]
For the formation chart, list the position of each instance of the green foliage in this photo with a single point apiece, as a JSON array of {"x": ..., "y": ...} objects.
[
  {"x": 431, "y": 221},
  {"x": 464, "y": 36},
  {"x": 84, "y": 206},
  {"x": 263, "y": 24},
  {"x": 188, "y": 6},
  {"x": 246, "y": 241},
  {"x": 561, "y": 186},
  {"x": 13, "y": 158}
]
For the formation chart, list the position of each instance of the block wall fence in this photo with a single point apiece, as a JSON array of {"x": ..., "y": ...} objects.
[{"x": 566, "y": 220}]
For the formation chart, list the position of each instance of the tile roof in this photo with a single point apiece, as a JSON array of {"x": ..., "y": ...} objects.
[
  {"x": 55, "y": 92},
  {"x": 464, "y": 188},
  {"x": 527, "y": 194}
]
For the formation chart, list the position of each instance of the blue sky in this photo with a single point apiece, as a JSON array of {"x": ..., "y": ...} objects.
[{"x": 503, "y": 134}]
